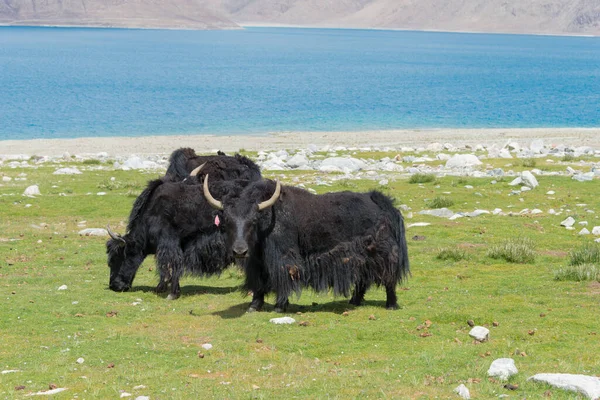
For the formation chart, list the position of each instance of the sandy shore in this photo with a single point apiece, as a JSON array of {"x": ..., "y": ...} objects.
[{"x": 118, "y": 146}]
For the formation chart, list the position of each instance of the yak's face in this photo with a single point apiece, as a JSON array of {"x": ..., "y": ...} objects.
[
  {"x": 115, "y": 249},
  {"x": 243, "y": 214}
]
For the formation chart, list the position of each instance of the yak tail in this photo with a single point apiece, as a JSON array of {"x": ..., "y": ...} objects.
[
  {"x": 398, "y": 231},
  {"x": 177, "y": 170},
  {"x": 142, "y": 200}
]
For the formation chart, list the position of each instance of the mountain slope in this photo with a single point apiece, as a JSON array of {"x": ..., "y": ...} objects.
[
  {"x": 514, "y": 16},
  {"x": 190, "y": 14}
]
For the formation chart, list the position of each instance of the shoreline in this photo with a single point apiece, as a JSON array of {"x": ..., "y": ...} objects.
[{"x": 164, "y": 145}]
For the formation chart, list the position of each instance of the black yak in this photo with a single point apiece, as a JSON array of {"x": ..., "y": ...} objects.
[
  {"x": 292, "y": 239},
  {"x": 173, "y": 221},
  {"x": 221, "y": 167}
]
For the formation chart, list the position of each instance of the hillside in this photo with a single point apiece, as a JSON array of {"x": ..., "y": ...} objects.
[
  {"x": 182, "y": 14},
  {"x": 514, "y": 16},
  {"x": 511, "y": 16}
]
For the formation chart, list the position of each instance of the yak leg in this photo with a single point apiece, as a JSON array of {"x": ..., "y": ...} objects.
[
  {"x": 165, "y": 279},
  {"x": 258, "y": 300},
  {"x": 391, "y": 302},
  {"x": 359, "y": 293},
  {"x": 169, "y": 257},
  {"x": 282, "y": 303}
]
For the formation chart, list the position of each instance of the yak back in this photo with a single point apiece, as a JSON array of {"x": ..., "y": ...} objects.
[
  {"x": 141, "y": 202},
  {"x": 220, "y": 167}
]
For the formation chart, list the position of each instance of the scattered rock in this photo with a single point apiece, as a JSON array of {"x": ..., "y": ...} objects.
[
  {"x": 341, "y": 164},
  {"x": 438, "y": 212},
  {"x": 462, "y": 391},
  {"x": 463, "y": 161},
  {"x": 62, "y": 287},
  {"x": 67, "y": 171},
  {"x": 569, "y": 222},
  {"x": 529, "y": 179},
  {"x": 596, "y": 231},
  {"x": 80, "y": 360},
  {"x": 480, "y": 333},
  {"x": 584, "y": 231},
  {"x": 208, "y": 346},
  {"x": 33, "y": 190},
  {"x": 47, "y": 392},
  {"x": 94, "y": 232},
  {"x": 587, "y": 385},
  {"x": 502, "y": 368},
  {"x": 10, "y": 371},
  {"x": 282, "y": 320},
  {"x": 417, "y": 224}
]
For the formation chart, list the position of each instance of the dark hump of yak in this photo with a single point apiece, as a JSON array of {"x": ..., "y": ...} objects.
[
  {"x": 178, "y": 164},
  {"x": 141, "y": 202}
]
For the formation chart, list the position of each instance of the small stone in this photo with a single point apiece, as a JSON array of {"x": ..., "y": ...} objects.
[
  {"x": 125, "y": 394},
  {"x": 502, "y": 368},
  {"x": 207, "y": 346},
  {"x": 471, "y": 323},
  {"x": 139, "y": 387},
  {"x": 569, "y": 222},
  {"x": 282, "y": 320},
  {"x": 80, "y": 360},
  {"x": 372, "y": 317},
  {"x": 480, "y": 333},
  {"x": 200, "y": 355},
  {"x": 462, "y": 391},
  {"x": 496, "y": 323},
  {"x": 62, "y": 287},
  {"x": 584, "y": 231}
]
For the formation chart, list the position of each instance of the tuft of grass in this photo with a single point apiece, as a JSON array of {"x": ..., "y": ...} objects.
[
  {"x": 421, "y": 178},
  {"x": 116, "y": 185},
  {"x": 528, "y": 162},
  {"x": 519, "y": 251},
  {"x": 451, "y": 253},
  {"x": 578, "y": 273},
  {"x": 440, "y": 202},
  {"x": 586, "y": 254},
  {"x": 91, "y": 161},
  {"x": 568, "y": 157}
]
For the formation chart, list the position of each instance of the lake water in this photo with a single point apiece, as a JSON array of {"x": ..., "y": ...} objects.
[{"x": 71, "y": 82}]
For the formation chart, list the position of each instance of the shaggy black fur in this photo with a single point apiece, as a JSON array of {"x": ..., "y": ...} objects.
[
  {"x": 173, "y": 221},
  {"x": 220, "y": 167},
  {"x": 340, "y": 241}
]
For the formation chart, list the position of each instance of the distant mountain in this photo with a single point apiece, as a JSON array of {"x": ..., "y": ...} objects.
[
  {"x": 511, "y": 16},
  {"x": 177, "y": 14}
]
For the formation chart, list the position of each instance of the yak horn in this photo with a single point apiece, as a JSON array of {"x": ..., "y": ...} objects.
[
  {"x": 211, "y": 200},
  {"x": 272, "y": 200},
  {"x": 196, "y": 170},
  {"x": 113, "y": 235}
]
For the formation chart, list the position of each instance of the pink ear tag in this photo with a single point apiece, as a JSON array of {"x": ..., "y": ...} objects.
[{"x": 217, "y": 220}]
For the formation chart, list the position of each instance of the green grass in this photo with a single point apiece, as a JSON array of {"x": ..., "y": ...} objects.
[
  {"x": 421, "y": 178},
  {"x": 589, "y": 253},
  {"x": 451, "y": 253},
  {"x": 519, "y": 250},
  {"x": 528, "y": 162},
  {"x": 578, "y": 273},
  {"x": 440, "y": 202},
  {"x": 421, "y": 351}
]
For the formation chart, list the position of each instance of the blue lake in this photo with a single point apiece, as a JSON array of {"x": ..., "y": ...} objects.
[{"x": 71, "y": 82}]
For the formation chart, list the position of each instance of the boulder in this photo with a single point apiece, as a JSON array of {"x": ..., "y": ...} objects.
[
  {"x": 504, "y": 153},
  {"x": 596, "y": 231},
  {"x": 299, "y": 160},
  {"x": 341, "y": 164},
  {"x": 463, "y": 161},
  {"x": 589, "y": 386},
  {"x": 529, "y": 179},
  {"x": 568, "y": 222},
  {"x": 480, "y": 333},
  {"x": 33, "y": 190},
  {"x": 502, "y": 368},
  {"x": 516, "y": 181},
  {"x": 537, "y": 146}
]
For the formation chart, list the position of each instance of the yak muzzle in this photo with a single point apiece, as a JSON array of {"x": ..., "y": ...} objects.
[{"x": 240, "y": 250}]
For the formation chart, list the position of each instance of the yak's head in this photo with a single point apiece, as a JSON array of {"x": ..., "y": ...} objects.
[
  {"x": 116, "y": 248},
  {"x": 243, "y": 215}
]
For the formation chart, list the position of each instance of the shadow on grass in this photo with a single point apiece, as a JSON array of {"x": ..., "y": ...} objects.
[
  {"x": 334, "y": 307},
  {"x": 189, "y": 290}
]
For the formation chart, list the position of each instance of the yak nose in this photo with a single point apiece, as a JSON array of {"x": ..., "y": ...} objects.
[{"x": 240, "y": 249}]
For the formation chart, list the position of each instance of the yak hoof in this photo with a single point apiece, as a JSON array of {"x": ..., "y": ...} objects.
[
  {"x": 172, "y": 296},
  {"x": 392, "y": 307}
]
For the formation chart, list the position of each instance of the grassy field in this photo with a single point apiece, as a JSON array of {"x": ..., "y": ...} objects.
[{"x": 422, "y": 351}]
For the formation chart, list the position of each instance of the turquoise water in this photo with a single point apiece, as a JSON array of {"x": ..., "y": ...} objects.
[{"x": 71, "y": 82}]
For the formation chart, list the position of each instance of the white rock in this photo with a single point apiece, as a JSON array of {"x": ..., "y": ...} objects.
[
  {"x": 93, "y": 232},
  {"x": 596, "y": 230},
  {"x": 583, "y": 223},
  {"x": 503, "y": 368},
  {"x": 516, "y": 181},
  {"x": 142, "y": 398},
  {"x": 462, "y": 391},
  {"x": 125, "y": 394},
  {"x": 584, "y": 231},
  {"x": 569, "y": 222},
  {"x": 550, "y": 192},
  {"x": 384, "y": 182},
  {"x": 589, "y": 386},
  {"x": 67, "y": 171},
  {"x": 438, "y": 212},
  {"x": 536, "y": 211},
  {"x": 47, "y": 392},
  {"x": 282, "y": 320},
  {"x": 529, "y": 179},
  {"x": 207, "y": 346},
  {"x": 537, "y": 146},
  {"x": 6, "y": 179},
  {"x": 33, "y": 190},
  {"x": 552, "y": 211},
  {"x": 10, "y": 371},
  {"x": 80, "y": 360},
  {"x": 418, "y": 224},
  {"x": 462, "y": 161},
  {"x": 456, "y": 216},
  {"x": 525, "y": 189},
  {"x": 477, "y": 213},
  {"x": 435, "y": 147},
  {"x": 504, "y": 153},
  {"x": 443, "y": 156},
  {"x": 298, "y": 161},
  {"x": 62, "y": 287},
  {"x": 343, "y": 164},
  {"x": 480, "y": 333},
  {"x": 139, "y": 387}
]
